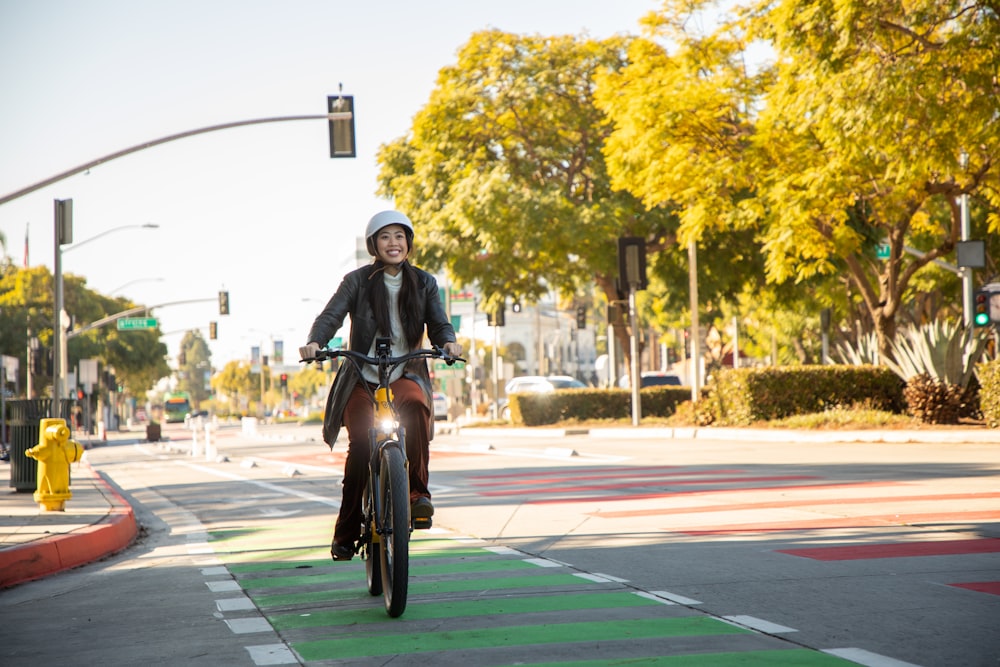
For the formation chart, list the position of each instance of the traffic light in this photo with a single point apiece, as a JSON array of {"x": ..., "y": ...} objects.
[
  {"x": 340, "y": 117},
  {"x": 616, "y": 314},
  {"x": 213, "y": 330},
  {"x": 632, "y": 262},
  {"x": 37, "y": 360},
  {"x": 223, "y": 303},
  {"x": 284, "y": 380},
  {"x": 496, "y": 318},
  {"x": 981, "y": 309},
  {"x": 581, "y": 317}
]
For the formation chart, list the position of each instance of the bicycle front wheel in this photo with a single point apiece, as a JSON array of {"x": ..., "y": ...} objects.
[{"x": 395, "y": 552}]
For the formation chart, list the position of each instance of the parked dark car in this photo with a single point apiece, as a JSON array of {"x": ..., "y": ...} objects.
[{"x": 652, "y": 379}]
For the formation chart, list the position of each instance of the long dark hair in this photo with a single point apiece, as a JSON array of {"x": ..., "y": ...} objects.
[{"x": 410, "y": 312}]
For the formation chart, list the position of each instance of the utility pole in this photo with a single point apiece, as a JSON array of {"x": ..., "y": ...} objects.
[
  {"x": 63, "y": 234},
  {"x": 632, "y": 273},
  {"x": 695, "y": 325}
]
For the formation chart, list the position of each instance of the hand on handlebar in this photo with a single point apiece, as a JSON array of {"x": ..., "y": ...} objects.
[
  {"x": 308, "y": 352},
  {"x": 453, "y": 349}
]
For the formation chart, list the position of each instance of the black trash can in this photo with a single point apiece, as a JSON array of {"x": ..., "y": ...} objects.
[{"x": 24, "y": 418}]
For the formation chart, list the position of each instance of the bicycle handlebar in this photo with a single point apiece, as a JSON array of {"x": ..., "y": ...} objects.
[{"x": 434, "y": 353}]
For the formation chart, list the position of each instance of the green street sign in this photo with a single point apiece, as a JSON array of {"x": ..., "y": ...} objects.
[
  {"x": 883, "y": 251},
  {"x": 136, "y": 323}
]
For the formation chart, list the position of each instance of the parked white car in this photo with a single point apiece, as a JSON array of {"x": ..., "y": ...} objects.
[
  {"x": 441, "y": 404},
  {"x": 536, "y": 384}
]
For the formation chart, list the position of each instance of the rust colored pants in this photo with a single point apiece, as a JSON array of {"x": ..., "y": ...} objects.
[{"x": 414, "y": 416}]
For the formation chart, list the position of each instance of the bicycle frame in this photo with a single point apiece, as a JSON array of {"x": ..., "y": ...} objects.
[{"x": 380, "y": 436}]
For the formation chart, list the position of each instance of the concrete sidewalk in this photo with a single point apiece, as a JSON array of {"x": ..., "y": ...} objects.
[{"x": 36, "y": 543}]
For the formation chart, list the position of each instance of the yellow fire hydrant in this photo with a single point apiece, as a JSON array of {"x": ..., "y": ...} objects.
[{"x": 54, "y": 452}]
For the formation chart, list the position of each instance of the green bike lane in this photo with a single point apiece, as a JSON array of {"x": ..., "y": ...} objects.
[{"x": 474, "y": 603}]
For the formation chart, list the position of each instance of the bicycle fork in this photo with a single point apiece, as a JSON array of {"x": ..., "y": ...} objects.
[{"x": 386, "y": 426}]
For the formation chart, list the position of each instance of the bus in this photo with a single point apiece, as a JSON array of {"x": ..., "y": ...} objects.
[{"x": 176, "y": 406}]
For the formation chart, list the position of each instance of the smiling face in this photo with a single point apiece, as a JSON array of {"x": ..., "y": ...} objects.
[{"x": 391, "y": 246}]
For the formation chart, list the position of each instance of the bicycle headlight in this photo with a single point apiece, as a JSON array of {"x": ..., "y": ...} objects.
[{"x": 387, "y": 426}]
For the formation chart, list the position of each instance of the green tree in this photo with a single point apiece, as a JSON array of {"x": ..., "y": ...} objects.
[
  {"x": 858, "y": 133},
  {"x": 504, "y": 174},
  {"x": 195, "y": 366},
  {"x": 308, "y": 382},
  {"x": 237, "y": 383},
  {"x": 137, "y": 357}
]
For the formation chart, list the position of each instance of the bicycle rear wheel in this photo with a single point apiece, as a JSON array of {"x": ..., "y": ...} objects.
[
  {"x": 370, "y": 550},
  {"x": 394, "y": 493}
]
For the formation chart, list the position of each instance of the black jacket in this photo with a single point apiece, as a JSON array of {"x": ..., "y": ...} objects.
[{"x": 350, "y": 299}]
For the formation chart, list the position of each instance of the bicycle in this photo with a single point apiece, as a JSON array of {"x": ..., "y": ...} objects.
[{"x": 385, "y": 534}]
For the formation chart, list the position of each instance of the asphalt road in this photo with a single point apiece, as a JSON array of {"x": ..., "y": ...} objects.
[{"x": 545, "y": 551}]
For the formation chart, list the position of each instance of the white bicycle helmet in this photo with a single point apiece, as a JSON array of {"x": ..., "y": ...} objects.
[{"x": 384, "y": 219}]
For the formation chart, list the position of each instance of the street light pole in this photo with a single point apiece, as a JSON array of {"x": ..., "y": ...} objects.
[
  {"x": 64, "y": 236},
  {"x": 966, "y": 272},
  {"x": 695, "y": 325}
]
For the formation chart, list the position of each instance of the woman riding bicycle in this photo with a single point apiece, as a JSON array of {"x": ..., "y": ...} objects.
[{"x": 389, "y": 297}]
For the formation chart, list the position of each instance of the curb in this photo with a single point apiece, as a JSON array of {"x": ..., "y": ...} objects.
[
  {"x": 929, "y": 436},
  {"x": 45, "y": 557}
]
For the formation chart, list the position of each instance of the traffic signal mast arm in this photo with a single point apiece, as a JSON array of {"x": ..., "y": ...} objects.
[
  {"x": 131, "y": 311},
  {"x": 150, "y": 144}
]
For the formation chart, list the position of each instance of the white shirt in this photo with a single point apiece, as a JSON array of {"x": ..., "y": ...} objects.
[{"x": 399, "y": 346}]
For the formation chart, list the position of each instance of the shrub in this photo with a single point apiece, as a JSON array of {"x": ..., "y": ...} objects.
[
  {"x": 938, "y": 362},
  {"x": 746, "y": 395},
  {"x": 539, "y": 409},
  {"x": 989, "y": 392},
  {"x": 932, "y": 401}
]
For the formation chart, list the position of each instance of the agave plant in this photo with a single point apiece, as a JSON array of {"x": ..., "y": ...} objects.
[
  {"x": 866, "y": 352},
  {"x": 937, "y": 361}
]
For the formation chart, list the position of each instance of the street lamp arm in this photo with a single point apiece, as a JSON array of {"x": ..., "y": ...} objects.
[
  {"x": 74, "y": 246},
  {"x": 133, "y": 282},
  {"x": 150, "y": 144}
]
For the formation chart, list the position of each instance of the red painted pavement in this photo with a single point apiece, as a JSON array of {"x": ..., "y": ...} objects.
[
  {"x": 899, "y": 550},
  {"x": 991, "y": 587},
  {"x": 631, "y": 484},
  {"x": 799, "y": 502}
]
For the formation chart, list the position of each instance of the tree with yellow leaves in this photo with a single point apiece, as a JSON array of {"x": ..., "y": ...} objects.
[{"x": 870, "y": 123}]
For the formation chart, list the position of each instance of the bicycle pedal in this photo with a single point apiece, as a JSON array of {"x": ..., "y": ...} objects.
[{"x": 422, "y": 523}]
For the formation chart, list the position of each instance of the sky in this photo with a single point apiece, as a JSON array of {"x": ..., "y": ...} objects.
[{"x": 262, "y": 211}]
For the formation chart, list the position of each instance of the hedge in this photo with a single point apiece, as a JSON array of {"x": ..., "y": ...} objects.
[
  {"x": 989, "y": 391},
  {"x": 745, "y": 395},
  {"x": 538, "y": 409}
]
